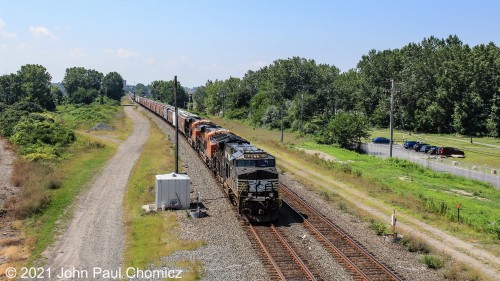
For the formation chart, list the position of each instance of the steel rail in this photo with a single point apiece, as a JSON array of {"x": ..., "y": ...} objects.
[{"x": 322, "y": 219}]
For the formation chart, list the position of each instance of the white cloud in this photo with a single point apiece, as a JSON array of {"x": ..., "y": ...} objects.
[
  {"x": 125, "y": 54},
  {"x": 121, "y": 53},
  {"x": 150, "y": 61},
  {"x": 5, "y": 34},
  {"x": 77, "y": 53},
  {"x": 254, "y": 65},
  {"x": 41, "y": 32}
]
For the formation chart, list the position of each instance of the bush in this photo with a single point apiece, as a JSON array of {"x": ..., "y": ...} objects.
[
  {"x": 432, "y": 261},
  {"x": 27, "y": 106},
  {"x": 8, "y": 119},
  {"x": 379, "y": 227},
  {"x": 41, "y": 140}
]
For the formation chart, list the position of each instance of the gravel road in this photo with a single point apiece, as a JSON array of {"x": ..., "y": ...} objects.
[{"x": 94, "y": 236}]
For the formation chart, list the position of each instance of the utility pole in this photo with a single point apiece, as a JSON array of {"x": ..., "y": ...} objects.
[
  {"x": 391, "y": 124},
  {"x": 302, "y": 111},
  {"x": 281, "y": 114},
  {"x": 223, "y": 96},
  {"x": 176, "y": 120}
]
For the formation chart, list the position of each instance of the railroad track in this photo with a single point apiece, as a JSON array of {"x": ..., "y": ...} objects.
[
  {"x": 348, "y": 252},
  {"x": 279, "y": 257}
]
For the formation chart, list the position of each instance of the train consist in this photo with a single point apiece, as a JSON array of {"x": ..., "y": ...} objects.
[{"x": 248, "y": 174}]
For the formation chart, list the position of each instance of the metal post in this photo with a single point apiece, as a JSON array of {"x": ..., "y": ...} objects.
[
  {"x": 176, "y": 129},
  {"x": 391, "y": 118}
]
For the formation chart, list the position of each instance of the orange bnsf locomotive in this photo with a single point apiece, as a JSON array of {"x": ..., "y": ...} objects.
[{"x": 248, "y": 174}]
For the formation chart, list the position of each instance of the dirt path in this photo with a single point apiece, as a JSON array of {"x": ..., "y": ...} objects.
[
  {"x": 6, "y": 160},
  {"x": 94, "y": 236},
  {"x": 454, "y": 247}
]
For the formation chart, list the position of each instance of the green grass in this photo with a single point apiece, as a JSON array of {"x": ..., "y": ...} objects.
[
  {"x": 476, "y": 152},
  {"x": 85, "y": 117},
  {"x": 153, "y": 236},
  {"x": 410, "y": 186}
]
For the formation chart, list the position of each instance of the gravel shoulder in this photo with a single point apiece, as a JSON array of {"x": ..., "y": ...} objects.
[{"x": 94, "y": 236}]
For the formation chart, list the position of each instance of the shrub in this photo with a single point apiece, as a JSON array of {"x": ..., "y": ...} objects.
[
  {"x": 27, "y": 106},
  {"x": 41, "y": 140},
  {"x": 431, "y": 261},
  {"x": 8, "y": 120},
  {"x": 379, "y": 227}
]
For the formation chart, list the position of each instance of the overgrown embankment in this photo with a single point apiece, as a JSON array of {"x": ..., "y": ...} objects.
[{"x": 55, "y": 164}]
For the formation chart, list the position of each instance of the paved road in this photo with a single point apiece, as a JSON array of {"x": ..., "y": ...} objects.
[
  {"x": 382, "y": 150},
  {"x": 94, "y": 237}
]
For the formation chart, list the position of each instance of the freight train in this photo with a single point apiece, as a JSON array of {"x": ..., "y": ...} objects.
[{"x": 247, "y": 173}]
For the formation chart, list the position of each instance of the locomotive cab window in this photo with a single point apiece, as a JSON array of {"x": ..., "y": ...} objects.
[
  {"x": 245, "y": 163},
  {"x": 265, "y": 163}
]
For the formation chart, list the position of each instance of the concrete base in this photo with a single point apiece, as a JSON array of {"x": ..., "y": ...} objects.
[
  {"x": 393, "y": 238},
  {"x": 149, "y": 208},
  {"x": 196, "y": 214}
]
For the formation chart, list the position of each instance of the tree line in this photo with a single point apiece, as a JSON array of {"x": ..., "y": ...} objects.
[
  {"x": 26, "y": 96},
  {"x": 442, "y": 86},
  {"x": 32, "y": 84}
]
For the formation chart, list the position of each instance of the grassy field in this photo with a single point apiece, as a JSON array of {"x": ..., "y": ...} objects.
[
  {"x": 482, "y": 151},
  {"x": 153, "y": 236},
  {"x": 419, "y": 192}
]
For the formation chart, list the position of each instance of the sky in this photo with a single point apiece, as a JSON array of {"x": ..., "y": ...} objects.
[{"x": 206, "y": 40}]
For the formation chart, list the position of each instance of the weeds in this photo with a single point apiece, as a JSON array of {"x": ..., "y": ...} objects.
[
  {"x": 379, "y": 227},
  {"x": 35, "y": 179},
  {"x": 414, "y": 245},
  {"x": 432, "y": 261},
  {"x": 461, "y": 272}
]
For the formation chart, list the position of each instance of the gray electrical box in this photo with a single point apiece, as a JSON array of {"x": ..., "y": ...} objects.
[{"x": 172, "y": 191}]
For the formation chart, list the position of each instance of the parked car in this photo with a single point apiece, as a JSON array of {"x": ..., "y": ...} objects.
[
  {"x": 424, "y": 148},
  {"x": 433, "y": 150},
  {"x": 447, "y": 151},
  {"x": 381, "y": 140},
  {"x": 417, "y": 146},
  {"x": 409, "y": 144},
  {"x": 427, "y": 148}
]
